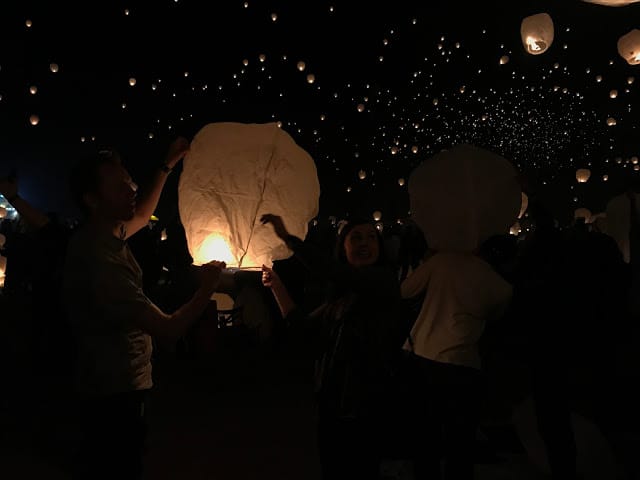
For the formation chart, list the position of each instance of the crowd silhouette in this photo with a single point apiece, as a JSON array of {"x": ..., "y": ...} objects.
[{"x": 414, "y": 350}]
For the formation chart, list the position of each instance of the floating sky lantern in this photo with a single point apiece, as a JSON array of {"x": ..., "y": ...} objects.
[
  {"x": 401, "y": 182},
  {"x": 537, "y": 33},
  {"x": 34, "y": 120},
  {"x": 504, "y": 59},
  {"x": 301, "y": 66},
  {"x": 463, "y": 196},
  {"x": 33, "y": 89},
  {"x": 605, "y": 178},
  {"x": 361, "y": 107},
  {"x": 132, "y": 82},
  {"x": 377, "y": 215},
  {"x": 583, "y": 175},
  {"x": 629, "y": 47},
  {"x": 414, "y": 149},
  {"x": 630, "y": 80},
  {"x": 362, "y": 174},
  {"x": 54, "y": 67},
  {"x": 612, "y": 3},
  {"x": 515, "y": 229},
  {"x": 28, "y": 23},
  {"x": 262, "y": 57},
  {"x": 611, "y": 122},
  {"x": 311, "y": 78},
  {"x": 233, "y": 174},
  {"x": 613, "y": 94}
]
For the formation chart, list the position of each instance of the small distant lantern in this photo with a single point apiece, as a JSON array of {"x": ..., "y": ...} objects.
[
  {"x": 34, "y": 120},
  {"x": 132, "y": 82},
  {"x": 504, "y": 60},
  {"x": 29, "y": 23},
  {"x": 583, "y": 175},
  {"x": 630, "y": 80},
  {"x": 360, "y": 107},
  {"x": 414, "y": 149},
  {"x": 362, "y": 174},
  {"x": 605, "y": 178},
  {"x": 311, "y": 78},
  {"x": 54, "y": 67},
  {"x": 262, "y": 57},
  {"x": 611, "y": 121},
  {"x": 537, "y": 33},
  {"x": 515, "y": 229},
  {"x": 613, "y": 94},
  {"x": 301, "y": 66},
  {"x": 401, "y": 182},
  {"x": 33, "y": 89},
  {"x": 274, "y": 17},
  {"x": 629, "y": 47},
  {"x": 377, "y": 215},
  {"x": 394, "y": 150}
]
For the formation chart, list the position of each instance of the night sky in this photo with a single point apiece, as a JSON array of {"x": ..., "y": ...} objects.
[{"x": 394, "y": 82}]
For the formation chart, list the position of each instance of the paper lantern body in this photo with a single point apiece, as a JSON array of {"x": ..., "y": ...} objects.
[
  {"x": 3, "y": 212},
  {"x": 618, "y": 224},
  {"x": 233, "y": 174},
  {"x": 629, "y": 47},
  {"x": 583, "y": 175},
  {"x": 537, "y": 33},
  {"x": 463, "y": 196},
  {"x": 612, "y": 3}
]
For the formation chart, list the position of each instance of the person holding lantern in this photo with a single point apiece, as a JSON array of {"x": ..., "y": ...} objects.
[
  {"x": 351, "y": 335},
  {"x": 111, "y": 317}
]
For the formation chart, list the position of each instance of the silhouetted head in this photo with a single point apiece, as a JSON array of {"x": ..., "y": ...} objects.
[
  {"x": 103, "y": 188},
  {"x": 360, "y": 244}
]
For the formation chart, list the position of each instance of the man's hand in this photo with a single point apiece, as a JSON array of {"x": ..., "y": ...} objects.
[
  {"x": 8, "y": 187},
  {"x": 177, "y": 150},
  {"x": 269, "y": 277},
  {"x": 278, "y": 225},
  {"x": 210, "y": 275}
]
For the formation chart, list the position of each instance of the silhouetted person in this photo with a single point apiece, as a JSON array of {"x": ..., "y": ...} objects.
[
  {"x": 350, "y": 338},
  {"x": 111, "y": 316}
]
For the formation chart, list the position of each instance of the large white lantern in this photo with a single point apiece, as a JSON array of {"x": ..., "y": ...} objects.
[
  {"x": 233, "y": 174},
  {"x": 463, "y": 196},
  {"x": 612, "y": 3},
  {"x": 583, "y": 175},
  {"x": 537, "y": 33},
  {"x": 629, "y": 47}
]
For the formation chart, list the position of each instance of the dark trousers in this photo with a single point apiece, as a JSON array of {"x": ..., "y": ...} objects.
[
  {"x": 446, "y": 410},
  {"x": 348, "y": 448},
  {"x": 114, "y": 432}
]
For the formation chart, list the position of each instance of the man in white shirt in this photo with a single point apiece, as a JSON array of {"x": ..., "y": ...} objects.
[{"x": 463, "y": 292}]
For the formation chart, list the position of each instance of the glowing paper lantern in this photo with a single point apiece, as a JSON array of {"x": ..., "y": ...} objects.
[
  {"x": 613, "y": 94},
  {"x": 33, "y": 89},
  {"x": 463, "y": 196},
  {"x": 537, "y": 33},
  {"x": 611, "y": 122},
  {"x": 301, "y": 66},
  {"x": 612, "y": 3},
  {"x": 524, "y": 204},
  {"x": 360, "y": 107},
  {"x": 504, "y": 60},
  {"x": 132, "y": 82},
  {"x": 582, "y": 175},
  {"x": 233, "y": 174},
  {"x": 401, "y": 182},
  {"x": 630, "y": 80},
  {"x": 414, "y": 149},
  {"x": 377, "y": 215},
  {"x": 262, "y": 57},
  {"x": 311, "y": 78},
  {"x": 629, "y": 47},
  {"x": 605, "y": 178},
  {"x": 34, "y": 120},
  {"x": 362, "y": 174},
  {"x": 54, "y": 68},
  {"x": 515, "y": 229}
]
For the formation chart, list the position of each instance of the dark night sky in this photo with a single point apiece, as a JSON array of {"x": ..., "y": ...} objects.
[{"x": 546, "y": 133}]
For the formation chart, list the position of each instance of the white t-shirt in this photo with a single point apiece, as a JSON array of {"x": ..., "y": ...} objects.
[{"x": 463, "y": 292}]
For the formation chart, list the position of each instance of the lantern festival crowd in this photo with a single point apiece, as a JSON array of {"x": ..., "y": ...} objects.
[{"x": 412, "y": 346}]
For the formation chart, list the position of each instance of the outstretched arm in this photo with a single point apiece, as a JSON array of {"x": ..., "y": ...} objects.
[
  {"x": 33, "y": 216},
  {"x": 147, "y": 204}
]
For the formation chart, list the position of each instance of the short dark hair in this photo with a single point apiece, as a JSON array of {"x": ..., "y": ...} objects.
[
  {"x": 85, "y": 176},
  {"x": 341, "y": 254}
]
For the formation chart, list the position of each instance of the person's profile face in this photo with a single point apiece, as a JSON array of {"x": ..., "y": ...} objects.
[
  {"x": 361, "y": 246},
  {"x": 117, "y": 192}
]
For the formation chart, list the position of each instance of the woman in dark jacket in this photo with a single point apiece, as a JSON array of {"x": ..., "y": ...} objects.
[{"x": 352, "y": 335}]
